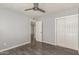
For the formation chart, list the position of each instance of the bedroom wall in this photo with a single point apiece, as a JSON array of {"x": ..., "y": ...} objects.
[
  {"x": 14, "y": 28},
  {"x": 49, "y": 24},
  {"x": 78, "y": 30},
  {"x": 48, "y": 28}
]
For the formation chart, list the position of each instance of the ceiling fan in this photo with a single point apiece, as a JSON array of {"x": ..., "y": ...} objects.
[{"x": 35, "y": 8}]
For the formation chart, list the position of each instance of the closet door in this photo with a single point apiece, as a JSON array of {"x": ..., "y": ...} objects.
[
  {"x": 60, "y": 31},
  {"x": 67, "y": 31},
  {"x": 71, "y": 32}
]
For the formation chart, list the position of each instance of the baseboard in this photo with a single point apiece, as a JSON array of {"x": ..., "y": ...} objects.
[
  {"x": 67, "y": 47},
  {"x": 78, "y": 51},
  {"x": 14, "y": 46},
  {"x": 58, "y": 45},
  {"x": 49, "y": 43}
]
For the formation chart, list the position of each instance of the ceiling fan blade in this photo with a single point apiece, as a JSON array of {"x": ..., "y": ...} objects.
[
  {"x": 41, "y": 10},
  {"x": 35, "y": 5},
  {"x": 28, "y": 9}
]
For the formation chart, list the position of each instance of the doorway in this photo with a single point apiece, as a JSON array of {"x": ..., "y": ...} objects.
[{"x": 36, "y": 34}]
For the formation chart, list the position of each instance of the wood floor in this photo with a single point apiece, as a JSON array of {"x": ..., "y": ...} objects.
[{"x": 39, "y": 49}]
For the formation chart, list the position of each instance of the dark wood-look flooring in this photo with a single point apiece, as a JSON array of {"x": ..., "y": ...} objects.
[{"x": 39, "y": 49}]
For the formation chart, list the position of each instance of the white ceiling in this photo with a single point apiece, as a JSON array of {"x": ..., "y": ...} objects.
[{"x": 48, "y": 7}]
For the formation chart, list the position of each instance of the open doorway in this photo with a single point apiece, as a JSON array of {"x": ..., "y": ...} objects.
[{"x": 36, "y": 33}]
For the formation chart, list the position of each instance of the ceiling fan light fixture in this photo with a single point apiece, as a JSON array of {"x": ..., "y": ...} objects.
[{"x": 35, "y": 8}]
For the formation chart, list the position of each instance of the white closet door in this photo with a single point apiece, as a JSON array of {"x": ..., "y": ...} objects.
[
  {"x": 67, "y": 31},
  {"x": 71, "y": 32},
  {"x": 60, "y": 35}
]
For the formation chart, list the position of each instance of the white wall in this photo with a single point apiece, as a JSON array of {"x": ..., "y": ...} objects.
[
  {"x": 14, "y": 28},
  {"x": 78, "y": 30},
  {"x": 48, "y": 29},
  {"x": 49, "y": 24}
]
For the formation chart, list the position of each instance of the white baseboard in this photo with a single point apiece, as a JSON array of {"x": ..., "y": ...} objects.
[
  {"x": 49, "y": 43},
  {"x": 67, "y": 47},
  {"x": 14, "y": 46},
  {"x": 58, "y": 45},
  {"x": 78, "y": 51}
]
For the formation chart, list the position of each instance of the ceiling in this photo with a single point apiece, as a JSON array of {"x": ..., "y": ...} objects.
[{"x": 48, "y": 7}]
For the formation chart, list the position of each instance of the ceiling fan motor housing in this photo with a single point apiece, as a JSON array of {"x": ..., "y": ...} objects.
[{"x": 35, "y": 8}]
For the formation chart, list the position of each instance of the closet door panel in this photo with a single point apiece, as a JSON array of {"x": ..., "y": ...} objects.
[
  {"x": 67, "y": 31},
  {"x": 60, "y": 31},
  {"x": 71, "y": 32}
]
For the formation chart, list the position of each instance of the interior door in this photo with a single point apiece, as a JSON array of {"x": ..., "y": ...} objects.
[
  {"x": 60, "y": 31},
  {"x": 39, "y": 31},
  {"x": 67, "y": 31}
]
